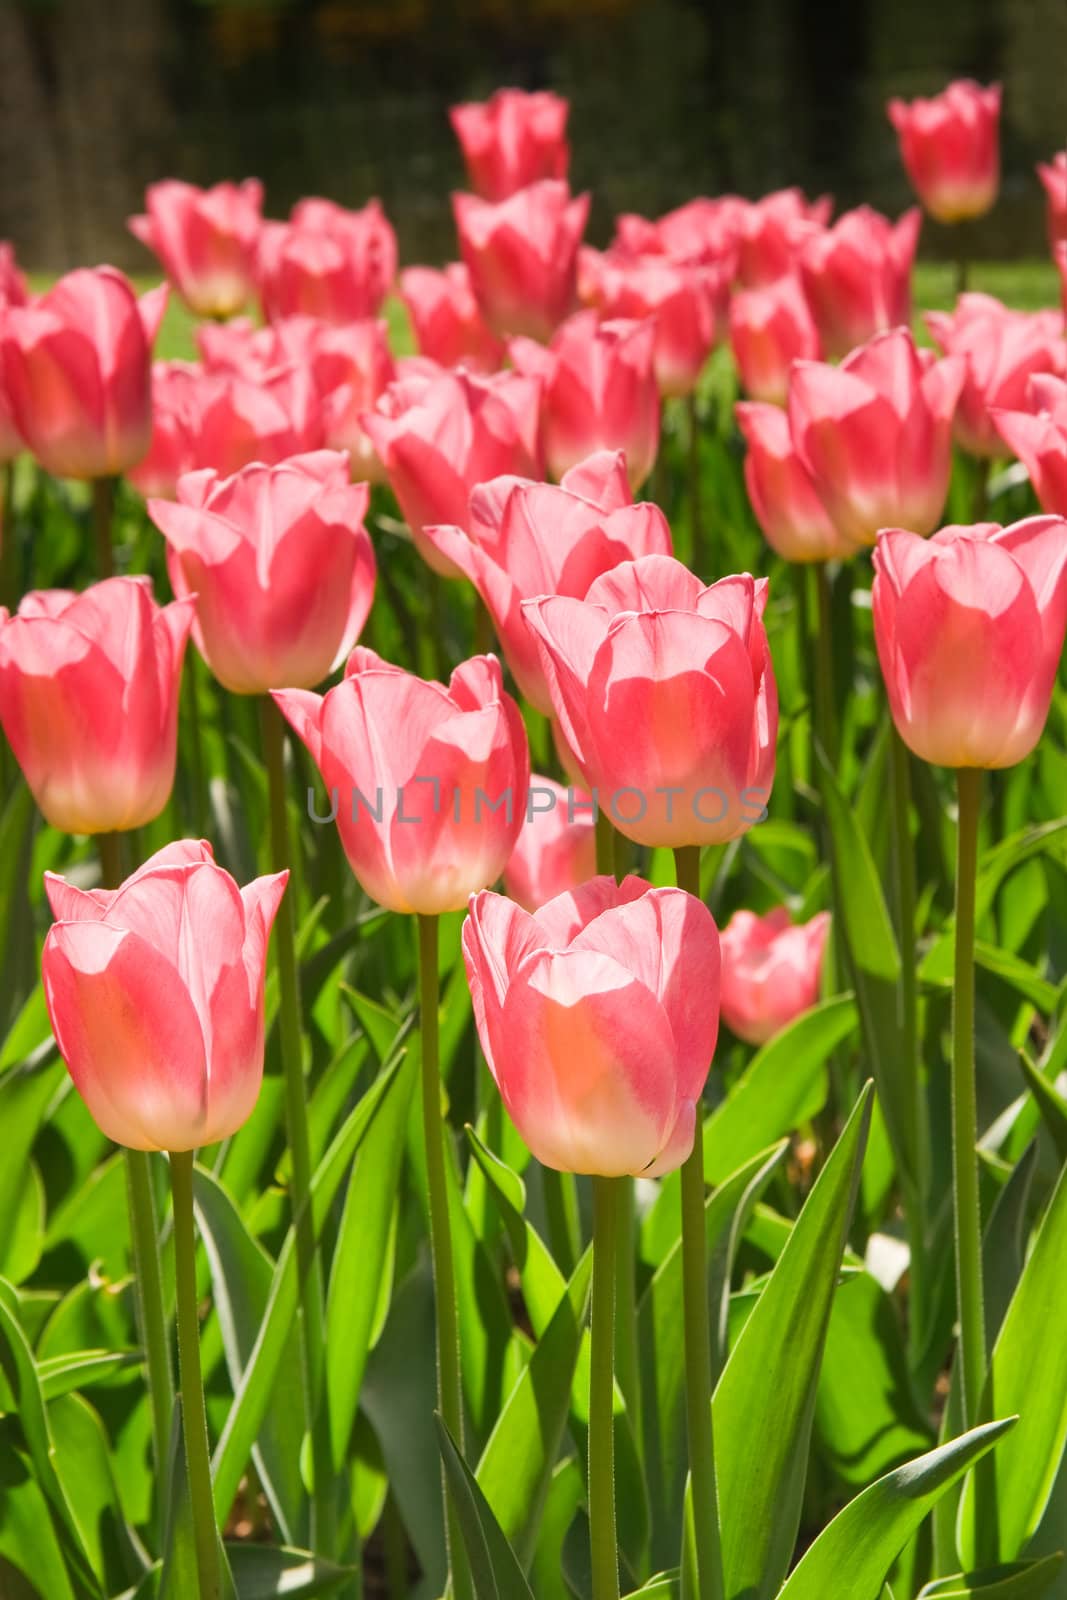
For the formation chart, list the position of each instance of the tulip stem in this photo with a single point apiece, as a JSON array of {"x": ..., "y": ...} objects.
[
  {"x": 602, "y": 1540},
  {"x": 698, "y": 1327},
  {"x": 970, "y": 1300},
  {"x": 103, "y": 513},
  {"x": 194, "y": 1413},
  {"x": 313, "y": 1334},
  {"x": 151, "y": 1315},
  {"x": 9, "y": 574},
  {"x": 449, "y": 1387},
  {"x": 825, "y": 718},
  {"x": 695, "y": 506}
]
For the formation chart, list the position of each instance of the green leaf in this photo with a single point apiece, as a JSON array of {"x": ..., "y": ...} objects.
[
  {"x": 664, "y": 1586},
  {"x": 264, "y": 1572},
  {"x": 1050, "y": 1103},
  {"x": 1022, "y": 1580},
  {"x": 495, "y": 1569},
  {"x": 765, "y": 1399},
  {"x": 1028, "y": 1375},
  {"x": 28, "y": 1542},
  {"x": 854, "y": 1554},
  {"x": 84, "y": 1464},
  {"x": 25, "y": 1095}
]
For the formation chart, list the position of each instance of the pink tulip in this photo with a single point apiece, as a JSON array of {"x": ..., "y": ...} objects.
[
  {"x": 1002, "y": 349},
  {"x": 969, "y": 627},
  {"x": 427, "y": 784},
  {"x": 702, "y": 231},
  {"x": 13, "y": 292},
  {"x": 665, "y": 692},
  {"x": 1059, "y": 256},
  {"x": 177, "y": 405},
  {"x": 681, "y": 301},
  {"x": 768, "y": 234},
  {"x": 950, "y": 147},
  {"x": 206, "y": 240},
  {"x": 89, "y": 701},
  {"x": 556, "y": 847},
  {"x": 771, "y": 971},
  {"x": 600, "y": 392},
  {"x": 1053, "y": 175},
  {"x": 598, "y": 1016},
  {"x": 448, "y": 325},
  {"x": 875, "y": 434},
  {"x": 327, "y": 262},
  {"x": 525, "y": 539},
  {"x": 438, "y": 437},
  {"x": 279, "y": 564},
  {"x": 266, "y": 419},
  {"x": 857, "y": 276},
  {"x": 794, "y": 520},
  {"x": 1038, "y": 437},
  {"x": 77, "y": 368},
  {"x": 770, "y": 328},
  {"x": 155, "y": 995},
  {"x": 522, "y": 255},
  {"x": 512, "y": 140}
]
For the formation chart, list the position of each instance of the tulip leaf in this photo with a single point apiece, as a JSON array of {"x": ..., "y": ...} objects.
[
  {"x": 1021, "y": 1580},
  {"x": 83, "y": 1463},
  {"x": 664, "y": 1586},
  {"x": 542, "y": 1282},
  {"x": 29, "y": 1545},
  {"x": 263, "y": 1572},
  {"x": 1028, "y": 1375},
  {"x": 1050, "y": 1103},
  {"x": 768, "y": 1388},
  {"x": 495, "y": 1569},
  {"x": 25, "y": 1095},
  {"x": 82, "y": 1369},
  {"x": 854, "y": 1553}
]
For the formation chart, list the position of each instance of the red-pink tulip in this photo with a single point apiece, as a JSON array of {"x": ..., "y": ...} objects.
[
  {"x": 155, "y": 995},
  {"x": 13, "y": 292},
  {"x": 771, "y": 968},
  {"x": 448, "y": 325},
  {"x": 681, "y": 301},
  {"x": 526, "y": 539},
  {"x": 512, "y": 140},
  {"x": 857, "y": 276},
  {"x": 665, "y": 692},
  {"x": 875, "y": 434},
  {"x": 427, "y": 784},
  {"x": 768, "y": 233},
  {"x": 522, "y": 255},
  {"x": 89, "y": 701},
  {"x": 703, "y": 230},
  {"x": 794, "y": 520},
  {"x": 327, "y": 262},
  {"x": 1059, "y": 256},
  {"x": 1003, "y": 349},
  {"x": 599, "y": 1017},
  {"x": 1053, "y": 175},
  {"x": 600, "y": 392},
  {"x": 438, "y": 437},
  {"x": 279, "y": 564},
  {"x": 265, "y": 419},
  {"x": 177, "y": 405},
  {"x": 950, "y": 147},
  {"x": 206, "y": 240},
  {"x": 969, "y": 627},
  {"x": 1039, "y": 438},
  {"x": 556, "y": 847},
  {"x": 77, "y": 367},
  {"x": 770, "y": 328}
]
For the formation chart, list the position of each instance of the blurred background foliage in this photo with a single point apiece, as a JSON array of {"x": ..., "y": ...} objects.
[{"x": 348, "y": 98}]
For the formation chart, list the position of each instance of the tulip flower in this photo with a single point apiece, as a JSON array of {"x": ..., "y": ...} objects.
[
  {"x": 857, "y": 276},
  {"x": 1053, "y": 175},
  {"x": 522, "y": 255},
  {"x": 556, "y": 847},
  {"x": 438, "y": 437},
  {"x": 771, "y": 969},
  {"x": 77, "y": 369},
  {"x": 794, "y": 520},
  {"x": 206, "y": 240},
  {"x": 280, "y": 566},
  {"x": 13, "y": 292},
  {"x": 770, "y": 328},
  {"x": 1059, "y": 255},
  {"x": 969, "y": 627},
  {"x": 427, "y": 783},
  {"x": 449, "y": 327},
  {"x": 702, "y": 231},
  {"x": 681, "y": 301},
  {"x": 177, "y": 406},
  {"x": 665, "y": 692},
  {"x": 89, "y": 701},
  {"x": 1002, "y": 349},
  {"x": 768, "y": 233},
  {"x": 327, "y": 262},
  {"x": 155, "y": 995},
  {"x": 950, "y": 147},
  {"x": 267, "y": 419},
  {"x": 1038, "y": 437},
  {"x": 598, "y": 1015},
  {"x": 599, "y": 392},
  {"x": 512, "y": 140},
  {"x": 525, "y": 539},
  {"x": 875, "y": 434}
]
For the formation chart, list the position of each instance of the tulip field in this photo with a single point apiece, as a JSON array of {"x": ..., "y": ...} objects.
[{"x": 533, "y": 896}]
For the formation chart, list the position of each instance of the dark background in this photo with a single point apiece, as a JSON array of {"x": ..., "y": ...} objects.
[{"x": 347, "y": 98}]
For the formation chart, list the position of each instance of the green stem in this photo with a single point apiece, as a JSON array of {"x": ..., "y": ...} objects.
[
  {"x": 695, "y": 506},
  {"x": 484, "y": 633},
  {"x": 698, "y": 1329},
  {"x": 194, "y": 1414},
  {"x": 972, "y": 1359},
  {"x": 449, "y": 1390},
  {"x": 191, "y": 690},
  {"x": 602, "y": 1540},
  {"x": 605, "y": 845},
  {"x": 825, "y": 717},
  {"x": 299, "y": 1140},
  {"x": 561, "y": 1213},
  {"x": 983, "y": 470},
  {"x": 151, "y": 1315},
  {"x": 9, "y": 574},
  {"x": 103, "y": 513}
]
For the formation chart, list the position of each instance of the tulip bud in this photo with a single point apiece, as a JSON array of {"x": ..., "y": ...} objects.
[
  {"x": 512, "y": 140},
  {"x": 522, "y": 255},
  {"x": 771, "y": 970},
  {"x": 950, "y": 147},
  {"x": 206, "y": 240}
]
